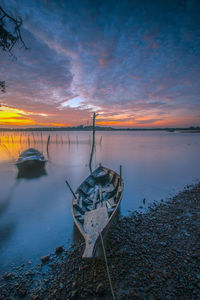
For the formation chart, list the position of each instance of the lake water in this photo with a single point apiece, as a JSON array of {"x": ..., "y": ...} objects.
[{"x": 35, "y": 213}]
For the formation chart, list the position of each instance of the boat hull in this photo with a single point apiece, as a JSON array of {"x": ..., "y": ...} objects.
[
  {"x": 30, "y": 159},
  {"x": 93, "y": 239},
  {"x": 31, "y": 164}
]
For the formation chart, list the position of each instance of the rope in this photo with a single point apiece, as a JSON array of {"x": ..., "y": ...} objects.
[{"x": 107, "y": 269}]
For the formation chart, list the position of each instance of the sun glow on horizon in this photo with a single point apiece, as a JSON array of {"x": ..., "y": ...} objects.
[
  {"x": 14, "y": 117},
  {"x": 17, "y": 117}
]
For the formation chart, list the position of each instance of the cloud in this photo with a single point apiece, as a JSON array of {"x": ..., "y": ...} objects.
[
  {"x": 149, "y": 121},
  {"x": 131, "y": 57}
]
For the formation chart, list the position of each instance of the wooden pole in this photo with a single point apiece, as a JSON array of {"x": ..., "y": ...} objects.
[
  {"x": 48, "y": 140},
  {"x": 93, "y": 142},
  {"x": 33, "y": 138},
  {"x": 41, "y": 138},
  {"x": 68, "y": 139},
  {"x": 71, "y": 189}
]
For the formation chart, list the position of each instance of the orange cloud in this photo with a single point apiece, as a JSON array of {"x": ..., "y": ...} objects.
[
  {"x": 17, "y": 122},
  {"x": 60, "y": 125},
  {"x": 109, "y": 123},
  {"x": 11, "y": 117},
  {"x": 14, "y": 116}
]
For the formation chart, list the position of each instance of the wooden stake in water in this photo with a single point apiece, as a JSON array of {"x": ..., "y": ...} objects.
[
  {"x": 48, "y": 141},
  {"x": 93, "y": 142},
  {"x": 68, "y": 139},
  {"x": 33, "y": 138}
]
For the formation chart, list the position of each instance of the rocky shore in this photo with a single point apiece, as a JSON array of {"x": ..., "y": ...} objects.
[{"x": 154, "y": 255}]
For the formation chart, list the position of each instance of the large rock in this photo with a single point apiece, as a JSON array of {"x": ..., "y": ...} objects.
[
  {"x": 59, "y": 249},
  {"x": 45, "y": 259}
]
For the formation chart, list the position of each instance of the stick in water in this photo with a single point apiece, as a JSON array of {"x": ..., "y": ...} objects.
[{"x": 71, "y": 189}]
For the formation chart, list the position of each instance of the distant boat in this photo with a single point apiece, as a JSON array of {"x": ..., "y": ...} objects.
[
  {"x": 95, "y": 205},
  {"x": 31, "y": 159}
]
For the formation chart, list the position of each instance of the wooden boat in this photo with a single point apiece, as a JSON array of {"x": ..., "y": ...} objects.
[
  {"x": 95, "y": 205},
  {"x": 31, "y": 159}
]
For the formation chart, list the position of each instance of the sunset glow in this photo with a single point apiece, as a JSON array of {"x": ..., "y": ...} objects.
[
  {"x": 14, "y": 117},
  {"x": 135, "y": 69}
]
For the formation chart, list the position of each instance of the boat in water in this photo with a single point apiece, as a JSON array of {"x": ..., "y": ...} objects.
[
  {"x": 31, "y": 159},
  {"x": 95, "y": 205}
]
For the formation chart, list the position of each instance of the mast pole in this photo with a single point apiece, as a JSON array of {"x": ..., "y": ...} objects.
[{"x": 93, "y": 142}]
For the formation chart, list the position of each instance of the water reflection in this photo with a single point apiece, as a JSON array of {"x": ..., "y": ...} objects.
[
  {"x": 7, "y": 229},
  {"x": 31, "y": 173},
  {"x": 4, "y": 203}
]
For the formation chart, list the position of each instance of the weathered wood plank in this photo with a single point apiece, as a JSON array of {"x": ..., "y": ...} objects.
[
  {"x": 80, "y": 201},
  {"x": 94, "y": 222},
  {"x": 95, "y": 198},
  {"x": 111, "y": 202}
]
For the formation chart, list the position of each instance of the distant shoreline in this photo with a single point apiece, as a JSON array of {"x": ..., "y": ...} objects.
[
  {"x": 190, "y": 131},
  {"x": 99, "y": 128}
]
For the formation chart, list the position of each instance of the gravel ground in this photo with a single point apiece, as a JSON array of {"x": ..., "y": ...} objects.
[{"x": 155, "y": 255}]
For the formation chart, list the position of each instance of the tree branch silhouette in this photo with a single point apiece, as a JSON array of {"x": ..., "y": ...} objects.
[{"x": 10, "y": 34}]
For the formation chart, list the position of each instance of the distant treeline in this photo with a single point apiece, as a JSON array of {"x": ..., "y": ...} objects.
[{"x": 98, "y": 128}]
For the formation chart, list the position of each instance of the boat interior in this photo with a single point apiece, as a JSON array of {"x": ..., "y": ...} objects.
[
  {"x": 100, "y": 190},
  {"x": 30, "y": 154}
]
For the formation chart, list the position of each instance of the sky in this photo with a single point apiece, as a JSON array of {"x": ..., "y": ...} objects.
[{"x": 136, "y": 63}]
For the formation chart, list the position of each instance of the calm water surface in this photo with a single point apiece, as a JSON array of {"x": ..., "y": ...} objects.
[{"x": 35, "y": 213}]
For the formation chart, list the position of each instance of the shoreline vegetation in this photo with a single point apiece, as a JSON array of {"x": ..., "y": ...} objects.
[
  {"x": 151, "y": 255},
  {"x": 103, "y": 128}
]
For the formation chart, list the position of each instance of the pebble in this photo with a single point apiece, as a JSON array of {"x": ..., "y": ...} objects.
[
  {"x": 45, "y": 258},
  {"x": 59, "y": 249},
  {"x": 100, "y": 288}
]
